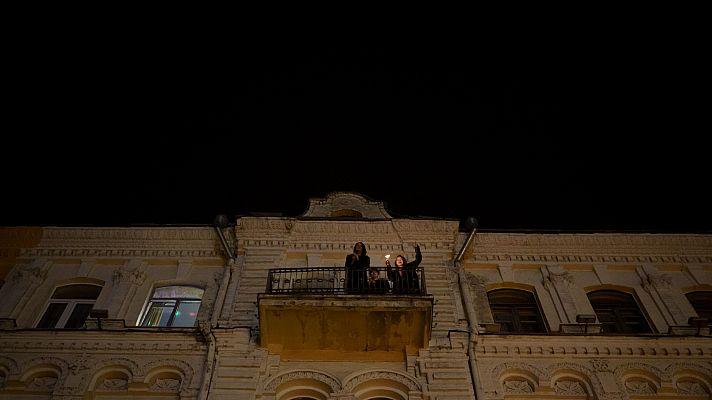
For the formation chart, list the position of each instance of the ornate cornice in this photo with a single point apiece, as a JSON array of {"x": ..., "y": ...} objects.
[
  {"x": 11, "y": 237},
  {"x": 337, "y": 235},
  {"x": 126, "y": 242},
  {"x": 592, "y": 248}
]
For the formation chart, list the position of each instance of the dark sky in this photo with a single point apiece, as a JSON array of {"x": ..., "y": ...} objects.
[{"x": 559, "y": 135}]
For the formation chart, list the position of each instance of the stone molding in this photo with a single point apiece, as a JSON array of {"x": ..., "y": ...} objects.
[
  {"x": 9, "y": 365},
  {"x": 513, "y": 375},
  {"x": 349, "y": 383},
  {"x": 354, "y": 380},
  {"x": 591, "y": 248},
  {"x": 21, "y": 341},
  {"x": 335, "y": 201},
  {"x": 126, "y": 242},
  {"x": 567, "y": 346},
  {"x": 338, "y": 235},
  {"x": 333, "y": 382}
]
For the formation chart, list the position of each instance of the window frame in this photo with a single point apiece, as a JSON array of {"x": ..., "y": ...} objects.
[
  {"x": 178, "y": 301},
  {"x": 68, "y": 311},
  {"x": 528, "y": 301},
  {"x": 702, "y": 308},
  {"x": 614, "y": 302}
]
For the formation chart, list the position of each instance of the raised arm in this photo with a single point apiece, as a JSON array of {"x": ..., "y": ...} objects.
[{"x": 418, "y": 258}]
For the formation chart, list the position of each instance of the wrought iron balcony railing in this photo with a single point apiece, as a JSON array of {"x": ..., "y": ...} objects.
[{"x": 335, "y": 280}]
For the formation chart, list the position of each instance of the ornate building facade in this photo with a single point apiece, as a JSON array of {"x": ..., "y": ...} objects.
[{"x": 259, "y": 307}]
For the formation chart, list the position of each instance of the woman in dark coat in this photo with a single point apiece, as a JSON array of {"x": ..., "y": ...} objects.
[
  {"x": 404, "y": 277},
  {"x": 357, "y": 263}
]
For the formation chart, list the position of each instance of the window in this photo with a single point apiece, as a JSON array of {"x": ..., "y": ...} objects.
[
  {"x": 516, "y": 311},
  {"x": 173, "y": 306},
  {"x": 69, "y": 306},
  {"x": 618, "y": 312},
  {"x": 702, "y": 303}
]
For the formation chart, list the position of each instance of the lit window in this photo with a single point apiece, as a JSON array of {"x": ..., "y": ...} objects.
[
  {"x": 516, "y": 311},
  {"x": 69, "y": 306},
  {"x": 618, "y": 312},
  {"x": 173, "y": 306},
  {"x": 702, "y": 303}
]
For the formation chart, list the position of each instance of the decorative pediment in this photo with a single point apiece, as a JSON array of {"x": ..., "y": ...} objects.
[{"x": 346, "y": 205}]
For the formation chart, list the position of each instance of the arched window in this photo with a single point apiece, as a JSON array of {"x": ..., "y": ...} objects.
[
  {"x": 618, "y": 312},
  {"x": 69, "y": 306},
  {"x": 702, "y": 303},
  {"x": 175, "y": 306},
  {"x": 517, "y": 311}
]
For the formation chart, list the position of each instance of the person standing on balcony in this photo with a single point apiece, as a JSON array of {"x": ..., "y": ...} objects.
[
  {"x": 405, "y": 277},
  {"x": 357, "y": 263}
]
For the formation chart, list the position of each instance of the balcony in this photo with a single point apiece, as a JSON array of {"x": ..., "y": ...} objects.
[{"x": 328, "y": 314}]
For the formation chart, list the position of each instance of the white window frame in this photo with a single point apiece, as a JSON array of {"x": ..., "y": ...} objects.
[{"x": 68, "y": 310}]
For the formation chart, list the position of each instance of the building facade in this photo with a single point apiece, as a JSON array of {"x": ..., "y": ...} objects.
[{"x": 260, "y": 307}]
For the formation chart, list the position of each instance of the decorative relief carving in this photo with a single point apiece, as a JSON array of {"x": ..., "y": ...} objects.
[
  {"x": 166, "y": 385},
  {"x": 476, "y": 282},
  {"x": 114, "y": 384},
  {"x": 319, "y": 376},
  {"x": 137, "y": 277},
  {"x": 671, "y": 369},
  {"x": 34, "y": 273},
  {"x": 515, "y": 386},
  {"x": 130, "y": 365},
  {"x": 662, "y": 281},
  {"x": 621, "y": 370},
  {"x": 690, "y": 388},
  {"x": 79, "y": 365},
  {"x": 569, "y": 388},
  {"x": 600, "y": 365},
  {"x": 185, "y": 368},
  {"x": 10, "y": 365},
  {"x": 367, "y": 376},
  {"x": 638, "y": 386},
  {"x": 336, "y": 201},
  {"x": 582, "y": 370},
  {"x": 57, "y": 362},
  {"x": 561, "y": 278},
  {"x": 497, "y": 371},
  {"x": 44, "y": 384}
]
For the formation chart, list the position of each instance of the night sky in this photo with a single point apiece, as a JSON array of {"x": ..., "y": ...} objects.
[{"x": 544, "y": 136}]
